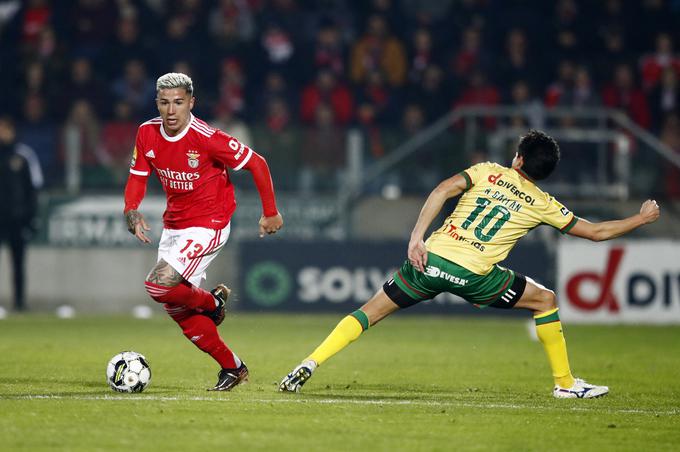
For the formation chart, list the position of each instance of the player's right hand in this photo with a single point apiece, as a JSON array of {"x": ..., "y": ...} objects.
[
  {"x": 649, "y": 211},
  {"x": 417, "y": 255},
  {"x": 137, "y": 225}
]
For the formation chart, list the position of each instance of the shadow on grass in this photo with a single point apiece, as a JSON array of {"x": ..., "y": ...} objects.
[
  {"x": 46, "y": 388},
  {"x": 405, "y": 394},
  {"x": 102, "y": 392},
  {"x": 352, "y": 394}
]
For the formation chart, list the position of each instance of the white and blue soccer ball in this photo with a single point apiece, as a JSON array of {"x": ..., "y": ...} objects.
[{"x": 128, "y": 372}]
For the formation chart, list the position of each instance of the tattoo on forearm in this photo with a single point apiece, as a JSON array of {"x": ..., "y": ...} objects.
[
  {"x": 164, "y": 275},
  {"x": 133, "y": 218}
]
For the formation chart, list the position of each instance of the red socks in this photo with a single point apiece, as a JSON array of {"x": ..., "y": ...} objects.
[
  {"x": 200, "y": 330},
  {"x": 184, "y": 303},
  {"x": 183, "y": 294}
]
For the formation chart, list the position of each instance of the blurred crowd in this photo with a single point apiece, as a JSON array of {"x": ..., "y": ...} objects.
[{"x": 290, "y": 77}]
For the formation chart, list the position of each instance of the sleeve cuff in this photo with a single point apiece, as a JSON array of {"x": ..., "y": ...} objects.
[
  {"x": 468, "y": 181},
  {"x": 569, "y": 225},
  {"x": 245, "y": 160},
  {"x": 269, "y": 212}
]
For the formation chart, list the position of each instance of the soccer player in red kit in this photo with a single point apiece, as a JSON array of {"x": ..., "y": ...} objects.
[{"x": 191, "y": 159}]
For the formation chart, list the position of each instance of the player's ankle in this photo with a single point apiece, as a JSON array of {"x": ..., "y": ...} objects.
[
  {"x": 565, "y": 382},
  {"x": 311, "y": 364}
]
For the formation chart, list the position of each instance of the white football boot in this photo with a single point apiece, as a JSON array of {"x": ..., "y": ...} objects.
[
  {"x": 580, "y": 390},
  {"x": 297, "y": 377}
]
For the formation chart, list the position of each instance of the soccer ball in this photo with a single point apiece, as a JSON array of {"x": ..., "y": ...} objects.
[{"x": 128, "y": 372}]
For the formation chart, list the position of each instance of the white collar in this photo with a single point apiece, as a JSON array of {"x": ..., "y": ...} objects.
[{"x": 180, "y": 135}]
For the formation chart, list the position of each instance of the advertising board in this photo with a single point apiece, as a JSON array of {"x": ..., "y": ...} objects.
[{"x": 619, "y": 282}]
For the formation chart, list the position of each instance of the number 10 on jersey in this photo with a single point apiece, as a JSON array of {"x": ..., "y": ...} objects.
[{"x": 498, "y": 213}]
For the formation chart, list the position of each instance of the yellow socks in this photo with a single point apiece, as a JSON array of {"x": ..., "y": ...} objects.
[
  {"x": 549, "y": 330},
  {"x": 346, "y": 332}
]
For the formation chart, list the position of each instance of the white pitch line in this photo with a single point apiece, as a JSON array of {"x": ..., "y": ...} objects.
[{"x": 331, "y": 401}]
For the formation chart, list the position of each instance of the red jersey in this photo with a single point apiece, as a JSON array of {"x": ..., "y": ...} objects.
[{"x": 192, "y": 169}]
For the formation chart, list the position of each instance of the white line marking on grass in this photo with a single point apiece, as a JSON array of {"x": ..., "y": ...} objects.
[{"x": 335, "y": 401}]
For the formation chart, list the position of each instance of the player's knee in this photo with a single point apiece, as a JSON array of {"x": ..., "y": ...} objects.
[
  {"x": 156, "y": 292},
  {"x": 178, "y": 313},
  {"x": 548, "y": 300}
]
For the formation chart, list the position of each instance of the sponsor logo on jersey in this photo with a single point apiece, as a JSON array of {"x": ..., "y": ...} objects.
[
  {"x": 177, "y": 180},
  {"x": 150, "y": 154},
  {"x": 177, "y": 175},
  {"x": 238, "y": 147},
  {"x": 496, "y": 180},
  {"x": 134, "y": 157},
  {"x": 451, "y": 230},
  {"x": 193, "y": 159}
]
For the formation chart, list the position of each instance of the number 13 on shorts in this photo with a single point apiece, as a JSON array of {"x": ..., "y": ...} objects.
[
  {"x": 191, "y": 254},
  {"x": 190, "y": 251}
]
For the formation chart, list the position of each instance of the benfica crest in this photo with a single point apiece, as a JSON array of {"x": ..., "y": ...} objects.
[{"x": 193, "y": 159}]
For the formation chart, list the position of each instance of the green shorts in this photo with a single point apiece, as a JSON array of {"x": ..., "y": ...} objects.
[{"x": 500, "y": 288}]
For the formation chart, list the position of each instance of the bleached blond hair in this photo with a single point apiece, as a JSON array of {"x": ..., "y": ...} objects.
[{"x": 173, "y": 80}]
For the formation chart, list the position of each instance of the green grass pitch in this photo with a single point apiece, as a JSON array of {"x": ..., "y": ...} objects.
[{"x": 410, "y": 383}]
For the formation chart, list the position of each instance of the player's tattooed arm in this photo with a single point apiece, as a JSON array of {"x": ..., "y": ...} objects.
[
  {"x": 164, "y": 275},
  {"x": 137, "y": 225},
  {"x": 132, "y": 217}
]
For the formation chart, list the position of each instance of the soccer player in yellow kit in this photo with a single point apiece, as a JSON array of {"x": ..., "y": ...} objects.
[{"x": 498, "y": 207}]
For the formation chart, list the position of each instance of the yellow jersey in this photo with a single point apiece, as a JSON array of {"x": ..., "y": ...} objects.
[{"x": 500, "y": 205}]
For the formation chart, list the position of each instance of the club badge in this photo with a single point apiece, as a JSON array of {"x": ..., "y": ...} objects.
[{"x": 193, "y": 159}]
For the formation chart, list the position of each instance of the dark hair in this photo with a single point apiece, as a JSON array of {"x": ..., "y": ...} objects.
[{"x": 540, "y": 152}]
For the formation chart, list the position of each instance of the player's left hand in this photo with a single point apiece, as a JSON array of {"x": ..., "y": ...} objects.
[
  {"x": 649, "y": 211},
  {"x": 269, "y": 225},
  {"x": 417, "y": 255}
]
